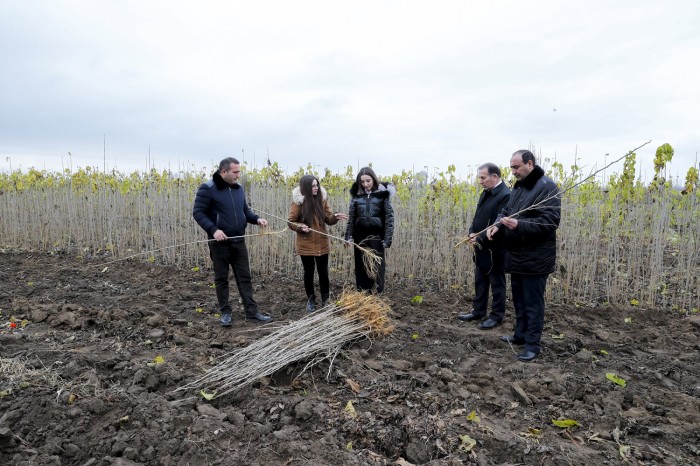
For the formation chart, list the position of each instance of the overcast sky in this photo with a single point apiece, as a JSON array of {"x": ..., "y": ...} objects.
[{"x": 400, "y": 84}]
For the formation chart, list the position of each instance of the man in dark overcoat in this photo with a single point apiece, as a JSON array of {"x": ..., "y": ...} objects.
[
  {"x": 489, "y": 256},
  {"x": 529, "y": 225}
]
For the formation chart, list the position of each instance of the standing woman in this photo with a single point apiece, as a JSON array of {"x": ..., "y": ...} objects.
[
  {"x": 371, "y": 224},
  {"x": 310, "y": 211}
]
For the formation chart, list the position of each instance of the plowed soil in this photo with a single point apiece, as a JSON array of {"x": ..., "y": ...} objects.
[{"x": 80, "y": 385}]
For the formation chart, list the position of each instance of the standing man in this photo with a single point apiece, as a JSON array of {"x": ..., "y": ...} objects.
[
  {"x": 489, "y": 256},
  {"x": 529, "y": 223},
  {"x": 221, "y": 210}
]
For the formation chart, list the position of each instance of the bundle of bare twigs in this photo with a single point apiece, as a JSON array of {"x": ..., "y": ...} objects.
[{"x": 316, "y": 337}]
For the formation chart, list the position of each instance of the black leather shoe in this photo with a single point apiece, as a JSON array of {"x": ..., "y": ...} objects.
[
  {"x": 511, "y": 339},
  {"x": 489, "y": 324},
  {"x": 259, "y": 317},
  {"x": 469, "y": 316},
  {"x": 225, "y": 320},
  {"x": 527, "y": 356}
]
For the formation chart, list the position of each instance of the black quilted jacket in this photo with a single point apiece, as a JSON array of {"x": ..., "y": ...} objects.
[{"x": 371, "y": 214}]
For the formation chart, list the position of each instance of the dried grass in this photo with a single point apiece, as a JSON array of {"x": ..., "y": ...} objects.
[
  {"x": 21, "y": 374},
  {"x": 24, "y": 373}
]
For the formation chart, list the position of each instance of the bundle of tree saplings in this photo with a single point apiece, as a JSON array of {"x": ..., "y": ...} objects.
[{"x": 314, "y": 338}]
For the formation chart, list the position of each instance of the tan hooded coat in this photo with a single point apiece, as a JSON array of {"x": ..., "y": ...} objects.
[{"x": 311, "y": 243}]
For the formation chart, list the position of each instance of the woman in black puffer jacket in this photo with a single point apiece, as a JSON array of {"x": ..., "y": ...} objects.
[{"x": 370, "y": 224}]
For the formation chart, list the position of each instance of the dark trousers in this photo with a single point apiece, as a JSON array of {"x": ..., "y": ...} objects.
[
  {"x": 225, "y": 254},
  {"x": 528, "y": 300},
  {"x": 489, "y": 274},
  {"x": 312, "y": 263},
  {"x": 362, "y": 279}
]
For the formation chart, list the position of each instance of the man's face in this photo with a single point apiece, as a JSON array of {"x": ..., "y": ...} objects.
[
  {"x": 232, "y": 173},
  {"x": 519, "y": 169},
  {"x": 486, "y": 180}
]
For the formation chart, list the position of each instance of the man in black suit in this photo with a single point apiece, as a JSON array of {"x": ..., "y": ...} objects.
[{"x": 489, "y": 257}]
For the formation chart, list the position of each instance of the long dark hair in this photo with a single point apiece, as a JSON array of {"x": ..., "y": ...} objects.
[
  {"x": 312, "y": 207},
  {"x": 370, "y": 172}
]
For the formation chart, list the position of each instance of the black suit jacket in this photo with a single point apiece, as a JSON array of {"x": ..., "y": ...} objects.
[{"x": 491, "y": 203}]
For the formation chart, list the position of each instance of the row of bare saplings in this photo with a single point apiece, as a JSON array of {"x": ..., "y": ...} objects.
[{"x": 611, "y": 249}]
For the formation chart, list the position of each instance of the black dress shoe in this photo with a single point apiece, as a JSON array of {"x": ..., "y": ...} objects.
[
  {"x": 527, "y": 356},
  {"x": 511, "y": 339},
  {"x": 489, "y": 324},
  {"x": 259, "y": 317},
  {"x": 469, "y": 316}
]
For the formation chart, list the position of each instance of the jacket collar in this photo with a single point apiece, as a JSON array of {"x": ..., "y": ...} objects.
[
  {"x": 530, "y": 180},
  {"x": 384, "y": 189},
  {"x": 221, "y": 183},
  {"x": 498, "y": 189}
]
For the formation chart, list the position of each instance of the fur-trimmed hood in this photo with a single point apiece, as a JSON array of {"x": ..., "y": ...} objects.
[
  {"x": 383, "y": 190},
  {"x": 298, "y": 198}
]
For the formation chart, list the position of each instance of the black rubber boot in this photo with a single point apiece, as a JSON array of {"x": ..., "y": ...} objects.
[{"x": 311, "y": 304}]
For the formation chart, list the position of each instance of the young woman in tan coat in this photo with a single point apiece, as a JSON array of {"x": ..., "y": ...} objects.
[{"x": 308, "y": 216}]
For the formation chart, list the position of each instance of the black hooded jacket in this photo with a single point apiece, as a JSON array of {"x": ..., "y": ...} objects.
[
  {"x": 222, "y": 206},
  {"x": 371, "y": 214},
  {"x": 532, "y": 246}
]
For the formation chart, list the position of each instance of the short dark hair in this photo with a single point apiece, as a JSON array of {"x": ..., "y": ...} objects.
[
  {"x": 492, "y": 168},
  {"x": 526, "y": 156},
  {"x": 224, "y": 164}
]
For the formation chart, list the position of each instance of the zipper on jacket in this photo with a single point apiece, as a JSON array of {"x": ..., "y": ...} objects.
[{"x": 235, "y": 214}]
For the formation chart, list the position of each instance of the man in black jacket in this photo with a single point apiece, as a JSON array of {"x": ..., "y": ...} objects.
[
  {"x": 221, "y": 210},
  {"x": 489, "y": 256},
  {"x": 529, "y": 224}
]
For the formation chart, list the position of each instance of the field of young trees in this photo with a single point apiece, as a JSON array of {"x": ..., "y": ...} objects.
[
  {"x": 108, "y": 325},
  {"x": 620, "y": 242}
]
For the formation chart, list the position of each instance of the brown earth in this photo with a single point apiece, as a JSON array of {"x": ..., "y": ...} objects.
[{"x": 78, "y": 383}]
